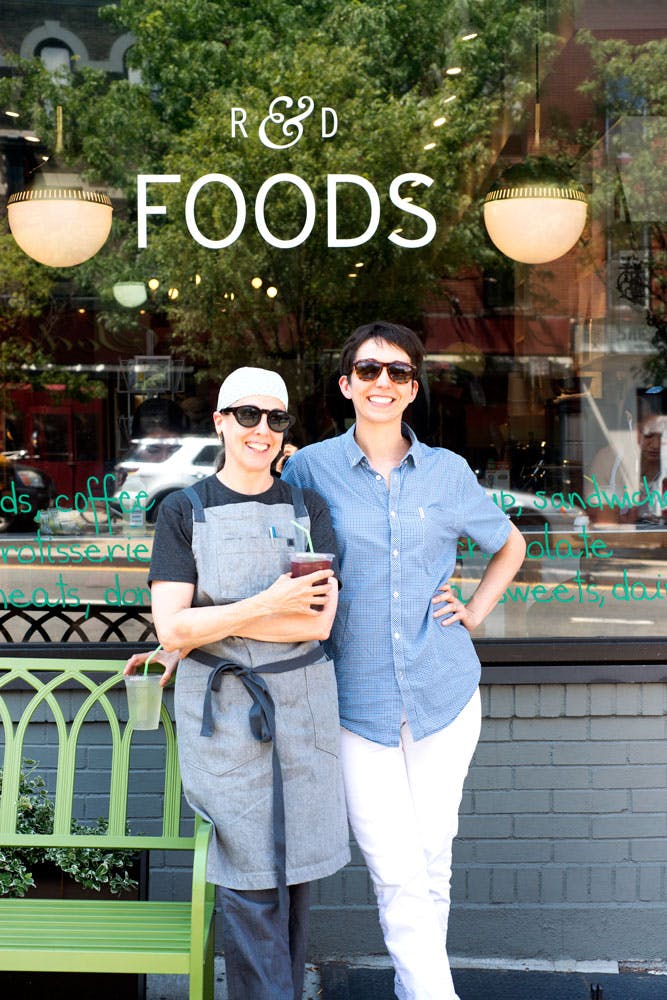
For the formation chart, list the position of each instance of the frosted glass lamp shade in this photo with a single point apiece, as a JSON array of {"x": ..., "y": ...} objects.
[
  {"x": 59, "y": 226},
  {"x": 535, "y": 223},
  {"x": 130, "y": 294}
]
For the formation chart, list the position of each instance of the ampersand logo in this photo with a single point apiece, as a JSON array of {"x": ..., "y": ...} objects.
[{"x": 291, "y": 128}]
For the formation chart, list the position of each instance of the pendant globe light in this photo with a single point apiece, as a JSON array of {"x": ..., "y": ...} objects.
[
  {"x": 57, "y": 222},
  {"x": 535, "y": 213}
]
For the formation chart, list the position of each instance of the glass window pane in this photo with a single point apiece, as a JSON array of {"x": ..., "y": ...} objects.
[{"x": 549, "y": 376}]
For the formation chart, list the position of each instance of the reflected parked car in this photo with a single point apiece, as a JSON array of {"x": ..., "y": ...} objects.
[
  {"x": 23, "y": 491},
  {"x": 158, "y": 466}
]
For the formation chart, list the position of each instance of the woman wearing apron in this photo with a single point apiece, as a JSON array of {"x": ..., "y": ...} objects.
[{"x": 255, "y": 700}]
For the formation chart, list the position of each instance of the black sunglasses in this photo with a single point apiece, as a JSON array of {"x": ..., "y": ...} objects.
[
  {"x": 250, "y": 416},
  {"x": 369, "y": 369}
]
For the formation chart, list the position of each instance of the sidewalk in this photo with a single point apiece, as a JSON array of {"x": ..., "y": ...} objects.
[
  {"x": 341, "y": 982},
  {"x": 372, "y": 978}
]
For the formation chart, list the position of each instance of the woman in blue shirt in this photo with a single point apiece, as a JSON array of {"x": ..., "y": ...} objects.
[{"x": 406, "y": 668}]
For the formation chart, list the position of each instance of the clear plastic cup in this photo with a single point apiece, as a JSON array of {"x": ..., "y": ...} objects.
[
  {"x": 302, "y": 563},
  {"x": 144, "y": 699}
]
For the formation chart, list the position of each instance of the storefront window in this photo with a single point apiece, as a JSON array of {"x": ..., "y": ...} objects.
[{"x": 277, "y": 181}]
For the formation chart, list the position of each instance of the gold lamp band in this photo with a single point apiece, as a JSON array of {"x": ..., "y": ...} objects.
[
  {"x": 535, "y": 191},
  {"x": 59, "y": 194}
]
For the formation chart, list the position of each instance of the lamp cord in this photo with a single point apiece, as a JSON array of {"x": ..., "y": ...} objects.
[
  {"x": 59, "y": 129},
  {"x": 537, "y": 78}
]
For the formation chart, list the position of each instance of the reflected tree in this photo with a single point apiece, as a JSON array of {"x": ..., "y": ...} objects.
[
  {"x": 629, "y": 88},
  {"x": 416, "y": 87}
]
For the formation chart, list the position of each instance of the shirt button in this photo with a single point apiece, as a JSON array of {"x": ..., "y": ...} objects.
[
  {"x": 392, "y": 513},
  {"x": 397, "y": 635},
  {"x": 378, "y": 476},
  {"x": 395, "y": 553},
  {"x": 396, "y": 594}
]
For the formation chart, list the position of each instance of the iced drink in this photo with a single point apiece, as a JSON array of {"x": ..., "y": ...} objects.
[
  {"x": 144, "y": 699},
  {"x": 303, "y": 563}
]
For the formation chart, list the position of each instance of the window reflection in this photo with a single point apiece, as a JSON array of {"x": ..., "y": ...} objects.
[
  {"x": 56, "y": 56},
  {"x": 549, "y": 379}
]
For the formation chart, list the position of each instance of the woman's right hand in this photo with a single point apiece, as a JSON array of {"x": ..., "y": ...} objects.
[
  {"x": 168, "y": 660},
  {"x": 294, "y": 595}
]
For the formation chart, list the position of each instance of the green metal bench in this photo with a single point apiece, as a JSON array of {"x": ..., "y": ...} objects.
[{"x": 94, "y": 935}]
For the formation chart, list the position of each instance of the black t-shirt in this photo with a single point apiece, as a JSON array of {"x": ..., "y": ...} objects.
[{"x": 172, "y": 558}]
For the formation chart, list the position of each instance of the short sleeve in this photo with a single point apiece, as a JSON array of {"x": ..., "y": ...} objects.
[
  {"x": 172, "y": 558},
  {"x": 479, "y": 516}
]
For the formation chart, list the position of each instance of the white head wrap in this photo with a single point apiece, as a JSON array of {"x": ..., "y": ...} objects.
[{"x": 251, "y": 382}]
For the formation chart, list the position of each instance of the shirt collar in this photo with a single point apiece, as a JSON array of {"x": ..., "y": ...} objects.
[{"x": 355, "y": 455}]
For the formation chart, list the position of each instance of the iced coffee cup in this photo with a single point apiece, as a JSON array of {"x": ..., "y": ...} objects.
[
  {"x": 303, "y": 563},
  {"x": 144, "y": 699}
]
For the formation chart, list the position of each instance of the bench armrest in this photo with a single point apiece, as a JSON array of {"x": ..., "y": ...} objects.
[{"x": 203, "y": 892}]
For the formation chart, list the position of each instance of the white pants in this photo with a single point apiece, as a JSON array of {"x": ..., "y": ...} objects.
[{"x": 403, "y": 805}]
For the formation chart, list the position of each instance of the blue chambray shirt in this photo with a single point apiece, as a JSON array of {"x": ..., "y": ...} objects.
[{"x": 396, "y": 547}]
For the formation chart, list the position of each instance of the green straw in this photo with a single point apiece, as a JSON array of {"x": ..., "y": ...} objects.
[
  {"x": 306, "y": 532},
  {"x": 149, "y": 658}
]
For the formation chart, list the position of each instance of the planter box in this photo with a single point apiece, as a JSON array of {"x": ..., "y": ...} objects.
[
  {"x": 51, "y": 883},
  {"x": 72, "y": 986}
]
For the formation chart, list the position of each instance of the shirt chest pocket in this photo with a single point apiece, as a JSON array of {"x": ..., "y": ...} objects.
[{"x": 427, "y": 534}]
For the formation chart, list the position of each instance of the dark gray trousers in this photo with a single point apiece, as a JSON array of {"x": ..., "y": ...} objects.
[{"x": 265, "y": 950}]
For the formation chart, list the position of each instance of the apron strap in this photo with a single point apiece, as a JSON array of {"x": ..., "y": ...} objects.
[
  {"x": 299, "y": 504},
  {"x": 301, "y": 515},
  {"x": 248, "y": 676},
  {"x": 197, "y": 506}
]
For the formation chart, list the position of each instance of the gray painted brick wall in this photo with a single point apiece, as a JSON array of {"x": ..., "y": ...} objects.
[{"x": 562, "y": 847}]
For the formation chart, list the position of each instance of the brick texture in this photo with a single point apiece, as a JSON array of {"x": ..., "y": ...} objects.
[{"x": 563, "y": 821}]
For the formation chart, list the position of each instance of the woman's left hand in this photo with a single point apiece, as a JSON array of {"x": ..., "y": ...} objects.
[
  {"x": 448, "y": 604},
  {"x": 167, "y": 660}
]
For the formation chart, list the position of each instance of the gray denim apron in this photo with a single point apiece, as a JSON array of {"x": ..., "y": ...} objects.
[{"x": 229, "y": 775}]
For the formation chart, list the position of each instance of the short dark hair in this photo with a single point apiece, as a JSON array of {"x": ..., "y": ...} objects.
[{"x": 393, "y": 333}]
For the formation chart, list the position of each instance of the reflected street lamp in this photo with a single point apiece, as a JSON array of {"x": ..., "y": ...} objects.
[
  {"x": 534, "y": 220},
  {"x": 130, "y": 294},
  {"x": 59, "y": 227},
  {"x": 59, "y": 224}
]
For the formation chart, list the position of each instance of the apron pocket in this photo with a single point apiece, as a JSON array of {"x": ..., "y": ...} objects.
[
  {"x": 232, "y": 743},
  {"x": 322, "y": 695},
  {"x": 246, "y": 566}
]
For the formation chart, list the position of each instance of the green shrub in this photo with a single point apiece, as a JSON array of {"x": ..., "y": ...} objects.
[{"x": 92, "y": 867}]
